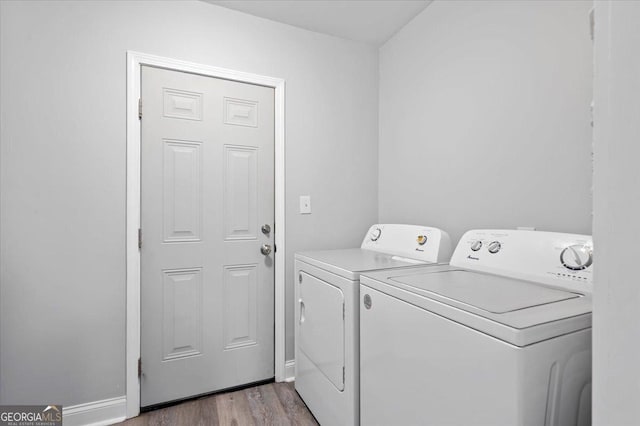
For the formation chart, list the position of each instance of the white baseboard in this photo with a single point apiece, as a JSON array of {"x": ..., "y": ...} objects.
[
  {"x": 97, "y": 413},
  {"x": 290, "y": 370}
]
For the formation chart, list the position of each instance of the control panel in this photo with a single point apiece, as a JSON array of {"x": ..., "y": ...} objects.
[
  {"x": 409, "y": 241},
  {"x": 559, "y": 259}
]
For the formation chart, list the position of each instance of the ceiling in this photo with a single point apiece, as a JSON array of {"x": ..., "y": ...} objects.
[{"x": 372, "y": 22}]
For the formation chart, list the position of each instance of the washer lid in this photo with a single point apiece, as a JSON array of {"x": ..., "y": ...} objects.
[
  {"x": 489, "y": 293},
  {"x": 516, "y": 311},
  {"x": 349, "y": 263}
]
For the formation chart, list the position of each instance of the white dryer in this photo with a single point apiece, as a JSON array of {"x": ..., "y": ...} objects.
[
  {"x": 327, "y": 326},
  {"x": 501, "y": 336}
]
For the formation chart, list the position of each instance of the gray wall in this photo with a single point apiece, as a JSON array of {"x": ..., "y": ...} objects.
[
  {"x": 484, "y": 117},
  {"x": 62, "y": 293},
  {"x": 616, "y": 321}
]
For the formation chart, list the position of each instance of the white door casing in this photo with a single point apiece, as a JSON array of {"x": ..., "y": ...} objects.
[
  {"x": 207, "y": 319},
  {"x": 135, "y": 61}
]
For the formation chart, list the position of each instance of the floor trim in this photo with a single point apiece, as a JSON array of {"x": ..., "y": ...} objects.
[
  {"x": 105, "y": 412},
  {"x": 290, "y": 370}
]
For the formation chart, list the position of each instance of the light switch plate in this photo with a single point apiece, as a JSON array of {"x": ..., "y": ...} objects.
[{"x": 305, "y": 204}]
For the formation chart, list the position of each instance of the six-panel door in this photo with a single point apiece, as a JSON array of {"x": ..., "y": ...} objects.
[{"x": 207, "y": 291}]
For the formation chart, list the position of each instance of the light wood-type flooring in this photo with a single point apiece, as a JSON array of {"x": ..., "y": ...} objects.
[{"x": 269, "y": 404}]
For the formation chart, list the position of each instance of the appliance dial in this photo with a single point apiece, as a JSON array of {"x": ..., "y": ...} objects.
[
  {"x": 422, "y": 239},
  {"x": 577, "y": 257},
  {"x": 375, "y": 234},
  {"x": 476, "y": 245},
  {"x": 494, "y": 247},
  {"x": 367, "y": 301}
]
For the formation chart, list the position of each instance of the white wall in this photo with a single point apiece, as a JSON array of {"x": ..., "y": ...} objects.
[
  {"x": 616, "y": 225},
  {"x": 484, "y": 117},
  {"x": 62, "y": 294}
]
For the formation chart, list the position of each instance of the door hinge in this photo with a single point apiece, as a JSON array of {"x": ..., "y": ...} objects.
[
  {"x": 140, "y": 109},
  {"x": 139, "y": 238},
  {"x": 139, "y": 367}
]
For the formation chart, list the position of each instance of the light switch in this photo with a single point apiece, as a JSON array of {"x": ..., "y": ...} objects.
[{"x": 305, "y": 204}]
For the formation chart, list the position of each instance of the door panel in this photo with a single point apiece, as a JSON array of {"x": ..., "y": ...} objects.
[
  {"x": 182, "y": 184},
  {"x": 240, "y": 319},
  {"x": 321, "y": 327},
  {"x": 207, "y": 292},
  {"x": 182, "y": 313},
  {"x": 182, "y": 104},
  {"x": 240, "y": 192}
]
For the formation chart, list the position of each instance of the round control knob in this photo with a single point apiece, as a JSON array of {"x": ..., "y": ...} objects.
[
  {"x": 577, "y": 257},
  {"x": 422, "y": 239},
  {"x": 367, "y": 301},
  {"x": 494, "y": 247},
  {"x": 476, "y": 245},
  {"x": 375, "y": 234}
]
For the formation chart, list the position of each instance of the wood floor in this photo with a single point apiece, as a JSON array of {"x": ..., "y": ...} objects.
[{"x": 270, "y": 404}]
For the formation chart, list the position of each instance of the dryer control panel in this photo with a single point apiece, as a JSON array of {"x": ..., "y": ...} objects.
[
  {"x": 558, "y": 259},
  {"x": 409, "y": 241}
]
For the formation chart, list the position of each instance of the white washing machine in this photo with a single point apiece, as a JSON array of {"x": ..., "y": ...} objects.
[
  {"x": 500, "y": 337},
  {"x": 327, "y": 326}
]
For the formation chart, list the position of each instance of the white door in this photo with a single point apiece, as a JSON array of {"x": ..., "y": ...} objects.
[
  {"x": 321, "y": 327},
  {"x": 207, "y": 288}
]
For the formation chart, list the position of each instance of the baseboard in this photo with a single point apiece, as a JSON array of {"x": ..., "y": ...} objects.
[
  {"x": 290, "y": 370},
  {"x": 97, "y": 413}
]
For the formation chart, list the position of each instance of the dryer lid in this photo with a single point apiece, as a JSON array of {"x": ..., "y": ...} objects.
[
  {"x": 490, "y": 293},
  {"x": 349, "y": 263}
]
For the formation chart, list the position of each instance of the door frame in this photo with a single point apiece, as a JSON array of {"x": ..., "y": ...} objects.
[{"x": 135, "y": 60}]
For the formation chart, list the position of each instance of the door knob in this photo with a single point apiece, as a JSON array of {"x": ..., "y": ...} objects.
[
  {"x": 266, "y": 229},
  {"x": 265, "y": 249}
]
